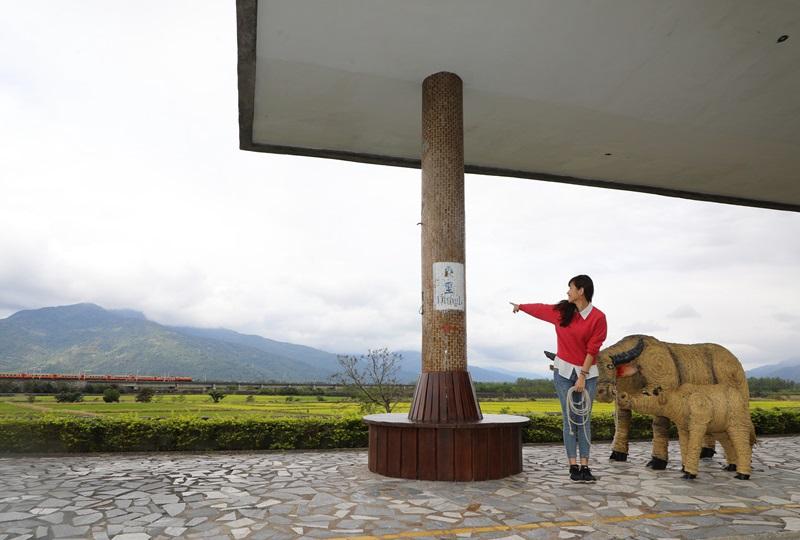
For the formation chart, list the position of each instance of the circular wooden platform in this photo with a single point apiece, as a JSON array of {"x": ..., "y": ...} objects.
[{"x": 483, "y": 450}]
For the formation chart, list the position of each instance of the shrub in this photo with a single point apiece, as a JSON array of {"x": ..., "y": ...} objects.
[
  {"x": 111, "y": 395},
  {"x": 8, "y": 387},
  {"x": 131, "y": 434},
  {"x": 69, "y": 396},
  {"x": 45, "y": 434},
  {"x": 250, "y": 399},
  {"x": 216, "y": 395},
  {"x": 776, "y": 421},
  {"x": 145, "y": 395}
]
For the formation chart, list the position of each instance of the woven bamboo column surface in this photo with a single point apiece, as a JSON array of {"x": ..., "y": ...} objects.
[{"x": 444, "y": 336}]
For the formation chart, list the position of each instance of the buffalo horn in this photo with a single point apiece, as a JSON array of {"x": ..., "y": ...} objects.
[{"x": 627, "y": 356}]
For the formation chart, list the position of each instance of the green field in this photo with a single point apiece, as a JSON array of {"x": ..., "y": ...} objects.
[{"x": 262, "y": 406}]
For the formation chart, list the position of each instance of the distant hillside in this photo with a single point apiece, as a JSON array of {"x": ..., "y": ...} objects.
[
  {"x": 324, "y": 362},
  {"x": 88, "y": 338},
  {"x": 788, "y": 369}
]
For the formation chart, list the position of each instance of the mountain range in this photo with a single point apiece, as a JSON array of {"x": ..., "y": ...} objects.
[
  {"x": 788, "y": 369},
  {"x": 88, "y": 338}
]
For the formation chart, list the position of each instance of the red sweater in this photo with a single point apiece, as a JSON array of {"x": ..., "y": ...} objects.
[{"x": 581, "y": 337}]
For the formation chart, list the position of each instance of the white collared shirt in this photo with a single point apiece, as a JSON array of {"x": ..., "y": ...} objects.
[{"x": 565, "y": 369}]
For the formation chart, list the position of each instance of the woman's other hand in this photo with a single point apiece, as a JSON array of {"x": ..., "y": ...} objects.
[
  {"x": 516, "y": 307},
  {"x": 580, "y": 384}
]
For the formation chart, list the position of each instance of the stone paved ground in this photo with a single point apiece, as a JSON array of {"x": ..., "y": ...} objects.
[{"x": 333, "y": 495}]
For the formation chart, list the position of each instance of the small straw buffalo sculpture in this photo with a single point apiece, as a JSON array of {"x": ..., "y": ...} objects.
[
  {"x": 638, "y": 364},
  {"x": 698, "y": 410}
]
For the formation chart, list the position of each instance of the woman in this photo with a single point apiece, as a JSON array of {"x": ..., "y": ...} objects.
[{"x": 581, "y": 330}]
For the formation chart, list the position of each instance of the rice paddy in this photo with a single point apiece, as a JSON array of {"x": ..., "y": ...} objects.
[{"x": 241, "y": 406}]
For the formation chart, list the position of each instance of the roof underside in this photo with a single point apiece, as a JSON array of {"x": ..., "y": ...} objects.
[{"x": 684, "y": 98}]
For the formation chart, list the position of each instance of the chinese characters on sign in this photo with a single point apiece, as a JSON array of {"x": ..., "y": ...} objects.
[{"x": 448, "y": 286}]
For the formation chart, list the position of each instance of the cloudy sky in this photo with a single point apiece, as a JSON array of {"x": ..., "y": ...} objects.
[{"x": 121, "y": 183}]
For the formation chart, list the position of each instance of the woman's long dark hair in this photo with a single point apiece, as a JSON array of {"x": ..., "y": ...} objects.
[{"x": 567, "y": 309}]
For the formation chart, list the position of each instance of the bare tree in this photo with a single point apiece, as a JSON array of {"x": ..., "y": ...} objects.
[{"x": 373, "y": 378}]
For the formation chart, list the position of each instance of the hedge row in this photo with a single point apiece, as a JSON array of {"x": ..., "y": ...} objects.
[
  {"x": 106, "y": 434},
  {"x": 547, "y": 428}
]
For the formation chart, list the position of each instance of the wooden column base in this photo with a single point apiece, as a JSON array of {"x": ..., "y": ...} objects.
[
  {"x": 484, "y": 450},
  {"x": 445, "y": 397}
]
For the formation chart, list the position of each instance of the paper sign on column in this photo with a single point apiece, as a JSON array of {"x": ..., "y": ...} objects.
[{"x": 448, "y": 286}]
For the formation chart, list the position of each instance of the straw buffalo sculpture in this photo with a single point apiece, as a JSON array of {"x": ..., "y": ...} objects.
[
  {"x": 636, "y": 363},
  {"x": 698, "y": 410}
]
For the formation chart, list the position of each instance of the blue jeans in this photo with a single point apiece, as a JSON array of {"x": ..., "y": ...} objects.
[{"x": 581, "y": 436}]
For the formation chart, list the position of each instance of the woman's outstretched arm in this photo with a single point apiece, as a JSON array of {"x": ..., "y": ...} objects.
[{"x": 544, "y": 312}]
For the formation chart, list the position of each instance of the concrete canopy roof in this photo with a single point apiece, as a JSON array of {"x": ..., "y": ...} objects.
[{"x": 699, "y": 100}]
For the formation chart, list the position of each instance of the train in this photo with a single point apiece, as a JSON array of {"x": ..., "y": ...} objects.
[{"x": 90, "y": 377}]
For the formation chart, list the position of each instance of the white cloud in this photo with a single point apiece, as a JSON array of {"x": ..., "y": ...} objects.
[
  {"x": 122, "y": 184},
  {"x": 684, "y": 312}
]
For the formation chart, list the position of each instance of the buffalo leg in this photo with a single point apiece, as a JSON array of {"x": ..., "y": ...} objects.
[
  {"x": 691, "y": 458},
  {"x": 740, "y": 438},
  {"x": 619, "y": 448},
  {"x": 709, "y": 447},
  {"x": 683, "y": 441},
  {"x": 730, "y": 451},
  {"x": 660, "y": 443}
]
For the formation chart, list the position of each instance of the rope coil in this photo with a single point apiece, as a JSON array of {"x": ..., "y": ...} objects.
[{"x": 581, "y": 408}]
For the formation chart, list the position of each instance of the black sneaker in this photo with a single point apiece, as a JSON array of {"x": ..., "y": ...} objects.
[
  {"x": 575, "y": 474},
  {"x": 586, "y": 474}
]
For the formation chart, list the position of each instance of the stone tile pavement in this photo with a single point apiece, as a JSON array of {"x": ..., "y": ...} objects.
[{"x": 332, "y": 495}]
